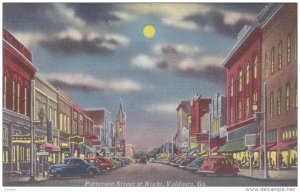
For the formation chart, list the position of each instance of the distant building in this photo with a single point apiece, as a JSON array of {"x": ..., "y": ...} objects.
[
  {"x": 129, "y": 151},
  {"x": 18, "y": 71},
  {"x": 102, "y": 128},
  {"x": 279, "y": 61},
  {"x": 199, "y": 121},
  {"x": 120, "y": 138},
  {"x": 183, "y": 112},
  {"x": 217, "y": 121}
]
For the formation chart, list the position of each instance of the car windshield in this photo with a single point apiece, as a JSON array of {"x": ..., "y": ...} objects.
[{"x": 210, "y": 160}]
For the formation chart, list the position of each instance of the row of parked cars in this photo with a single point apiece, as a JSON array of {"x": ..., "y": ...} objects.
[
  {"x": 89, "y": 166},
  {"x": 214, "y": 165}
]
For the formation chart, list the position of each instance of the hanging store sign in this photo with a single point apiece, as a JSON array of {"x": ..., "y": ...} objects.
[{"x": 76, "y": 139}]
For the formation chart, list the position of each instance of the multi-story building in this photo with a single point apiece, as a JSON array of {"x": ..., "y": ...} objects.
[
  {"x": 217, "y": 122},
  {"x": 200, "y": 122},
  {"x": 183, "y": 112},
  {"x": 129, "y": 151},
  {"x": 102, "y": 127},
  {"x": 18, "y": 72},
  {"x": 243, "y": 90},
  {"x": 279, "y": 58},
  {"x": 45, "y": 111},
  {"x": 64, "y": 116},
  {"x": 120, "y": 132}
]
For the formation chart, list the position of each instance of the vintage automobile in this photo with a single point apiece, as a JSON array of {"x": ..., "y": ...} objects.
[
  {"x": 176, "y": 161},
  {"x": 143, "y": 160},
  {"x": 186, "y": 161},
  {"x": 194, "y": 165},
  {"x": 218, "y": 165},
  {"x": 72, "y": 167},
  {"x": 103, "y": 167}
]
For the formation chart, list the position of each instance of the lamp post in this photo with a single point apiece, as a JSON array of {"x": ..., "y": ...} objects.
[{"x": 255, "y": 107}]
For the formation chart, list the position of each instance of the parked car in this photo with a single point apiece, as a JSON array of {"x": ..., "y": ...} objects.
[
  {"x": 143, "y": 160},
  {"x": 102, "y": 166},
  {"x": 72, "y": 167},
  {"x": 104, "y": 160},
  {"x": 177, "y": 161},
  {"x": 218, "y": 165},
  {"x": 151, "y": 160},
  {"x": 187, "y": 160},
  {"x": 194, "y": 165}
]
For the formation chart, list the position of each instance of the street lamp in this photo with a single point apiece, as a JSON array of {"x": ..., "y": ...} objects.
[{"x": 255, "y": 108}]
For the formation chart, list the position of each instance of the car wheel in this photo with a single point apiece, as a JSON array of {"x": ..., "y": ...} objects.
[
  {"x": 58, "y": 175},
  {"x": 235, "y": 174},
  {"x": 90, "y": 173}
]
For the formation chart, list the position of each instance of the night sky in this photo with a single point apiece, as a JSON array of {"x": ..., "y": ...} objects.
[{"x": 98, "y": 54}]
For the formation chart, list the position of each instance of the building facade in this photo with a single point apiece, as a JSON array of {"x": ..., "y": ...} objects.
[
  {"x": 243, "y": 90},
  {"x": 129, "y": 151},
  {"x": 183, "y": 112},
  {"x": 45, "y": 111},
  {"x": 200, "y": 122},
  {"x": 102, "y": 129},
  {"x": 217, "y": 122},
  {"x": 18, "y": 72},
  {"x": 279, "y": 58}
]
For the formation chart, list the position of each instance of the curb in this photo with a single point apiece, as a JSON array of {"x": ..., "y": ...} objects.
[{"x": 271, "y": 179}]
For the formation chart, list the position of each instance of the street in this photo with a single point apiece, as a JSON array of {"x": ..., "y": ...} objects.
[{"x": 155, "y": 175}]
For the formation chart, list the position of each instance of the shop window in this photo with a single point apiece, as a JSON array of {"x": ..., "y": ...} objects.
[
  {"x": 289, "y": 48},
  {"x": 279, "y": 102},
  {"x": 279, "y": 55},
  {"x": 272, "y": 60},
  {"x": 271, "y": 104},
  {"x": 287, "y": 103}
]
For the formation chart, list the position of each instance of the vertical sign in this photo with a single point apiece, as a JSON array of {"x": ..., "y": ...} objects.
[{"x": 49, "y": 131}]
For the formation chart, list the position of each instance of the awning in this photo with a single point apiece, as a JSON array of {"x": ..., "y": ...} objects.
[
  {"x": 51, "y": 147},
  {"x": 233, "y": 146},
  {"x": 214, "y": 149},
  {"x": 261, "y": 147},
  {"x": 285, "y": 145}
]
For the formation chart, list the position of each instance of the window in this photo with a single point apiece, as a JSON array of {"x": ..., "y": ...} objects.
[
  {"x": 240, "y": 80},
  {"x": 231, "y": 86},
  {"x": 13, "y": 95},
  {"x": 61, "y": 122},
  {"x": 50, "y": 113},
  {"x": 55, "y": 118},
  {"x": 247, "y": 73},
  {"x": 4, "y": 137},
  {"x": 296, "y": 94},
  {"x": 289, "y": 48},
  {"x": 279, "y": 55},
  {"x": 287, "y": 103},
  {"x": 254, "y": 97},
  {"x": 247, "y": 107},
  {"x": 25, "y": 101},
  {"x": 37, "y": 109},
  {"x": 271, "y": 104},
  {"x": 266, "y": 63},
  {"x": 255, "y": 67},
  {"x": 279, "y": 102},
  {"x": 272, "y": 60},
  {"x": 240, "y": 110},
  {"x": 18, "y": 98},
  {"x": 4, "y": 91}
]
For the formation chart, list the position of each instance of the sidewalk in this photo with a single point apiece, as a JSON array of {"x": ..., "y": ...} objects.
[
  {"x": 10, "y": 180},
  {"x": 288, "y": 174}
]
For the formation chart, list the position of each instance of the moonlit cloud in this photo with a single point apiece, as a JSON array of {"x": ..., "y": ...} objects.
[
  {"x": 189, "y": 25},
  {"x": 176, "y": 49},
  {"x": 144, "y": 62},
  {"x": 91, "y": 83},
  {"x": 162, "y": 108}
]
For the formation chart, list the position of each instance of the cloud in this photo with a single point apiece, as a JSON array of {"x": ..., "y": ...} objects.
[
  {"x": 222, "y": 22},
  {"x": 189, "y": 25},
  {"x": 91, "y": 83},
  {"x": 162, "y": 108},
  {"x": 183, "y": 59}
]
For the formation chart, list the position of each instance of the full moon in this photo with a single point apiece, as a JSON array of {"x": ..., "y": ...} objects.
[{"x": 149, "y": 31}]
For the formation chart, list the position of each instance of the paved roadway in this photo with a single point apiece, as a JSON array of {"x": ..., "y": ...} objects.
[{"x": 156, "y": 175}]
